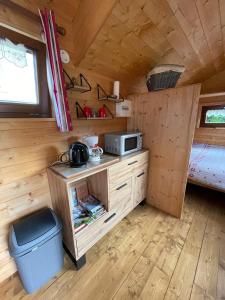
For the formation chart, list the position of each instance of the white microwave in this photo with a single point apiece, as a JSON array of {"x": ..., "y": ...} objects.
[{"x": 122, "y": 143}]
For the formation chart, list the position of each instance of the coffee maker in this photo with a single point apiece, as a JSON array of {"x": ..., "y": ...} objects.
[{"x": 95, "y": 152}]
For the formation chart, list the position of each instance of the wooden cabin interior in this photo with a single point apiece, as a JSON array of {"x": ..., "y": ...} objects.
[{"x": 145, "y": 219}]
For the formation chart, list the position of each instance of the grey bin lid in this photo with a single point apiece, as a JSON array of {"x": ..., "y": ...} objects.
[{"x": 32, "y": 231}]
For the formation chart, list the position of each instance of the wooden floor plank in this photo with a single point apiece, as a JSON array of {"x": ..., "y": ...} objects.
[
  {"x": 155, "y": 286},
  {"x": 205, "y": 281},
  {"x": 182, "y": 280},
  {"x": 221, "y": 271},
  {"x": 103, "y": 281},
  {"x": 159, "y": 257}
]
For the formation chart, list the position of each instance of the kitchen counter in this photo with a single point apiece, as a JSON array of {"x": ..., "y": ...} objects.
[
  {"x": 68, "y": 172},
  {"x": 91, "y": 167}
]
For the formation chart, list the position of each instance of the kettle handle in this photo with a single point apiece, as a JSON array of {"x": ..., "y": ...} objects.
[{"x": 64, "y": 154}]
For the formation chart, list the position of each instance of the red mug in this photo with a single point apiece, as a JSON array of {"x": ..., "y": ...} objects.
[
  {"x": 102, "y": 112},
  {"x": 87, "y": 111}
]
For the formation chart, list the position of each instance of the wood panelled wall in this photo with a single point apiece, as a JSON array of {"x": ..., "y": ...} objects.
[
  {"x": 214, "y": 84},
  {"x": 167, "y": 120},
  {"x": 28, "y": 146},
  {"x": 215, "y": 136}
]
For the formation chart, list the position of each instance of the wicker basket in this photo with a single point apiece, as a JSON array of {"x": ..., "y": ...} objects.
[{"x": 163, "y": 77}]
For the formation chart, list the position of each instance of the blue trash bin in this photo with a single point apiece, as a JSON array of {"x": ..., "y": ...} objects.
[{"x": 35, "y": 242}]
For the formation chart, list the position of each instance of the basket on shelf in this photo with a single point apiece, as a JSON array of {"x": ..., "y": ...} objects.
[{"x": 163, "y": 77}]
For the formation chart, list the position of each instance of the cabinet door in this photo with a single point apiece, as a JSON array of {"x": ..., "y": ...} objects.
[
  {"x": 120, "y": 195},
  {"x": 140, "y": 186}
]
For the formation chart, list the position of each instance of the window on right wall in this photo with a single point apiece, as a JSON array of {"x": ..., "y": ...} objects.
[{"x": 213, "y": 116}]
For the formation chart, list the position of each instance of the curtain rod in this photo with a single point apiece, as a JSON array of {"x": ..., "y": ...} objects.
[{"x": 29, "y": 14}]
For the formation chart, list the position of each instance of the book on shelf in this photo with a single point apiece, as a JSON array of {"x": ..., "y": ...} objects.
[
  {"x": 82, "y": 190},
  {"x": 91, "y": 204},
  {"x": 78, "y": 211},
  {"x": 74, "y": 197}
]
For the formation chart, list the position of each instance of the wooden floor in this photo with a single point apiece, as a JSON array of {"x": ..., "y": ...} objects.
[{"x": 149, "y": 255}]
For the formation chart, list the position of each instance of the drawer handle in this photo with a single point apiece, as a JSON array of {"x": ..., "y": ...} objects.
[
  {"x": 122, "y": 186},
  {"x": 109, "y": 218},
  {"x": 141, "y": 174},
  {"x": 133, "y": 162}
]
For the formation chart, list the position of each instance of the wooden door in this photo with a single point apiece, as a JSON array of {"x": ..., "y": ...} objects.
[
  {"x": 167, "y": 119},
  {"x": 140, "y": 186}
]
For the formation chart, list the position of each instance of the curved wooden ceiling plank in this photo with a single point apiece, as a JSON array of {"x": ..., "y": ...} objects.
[
  {"x": 87, "y": 24},
  {"x": 210, "y": 19},
  {"x": 135, "y": 19},
  {"x": 119, "y": 63},
  {"x": 116, "y": 43},
  {"x": 160, "y": 13},
  {"x": 108, "y": 49},
  {"x": 119, "y": 58},
  {"x": 162, "y": 16},
  {"x": 126, "y": 34},
  {"x": 186, "y": 14}
]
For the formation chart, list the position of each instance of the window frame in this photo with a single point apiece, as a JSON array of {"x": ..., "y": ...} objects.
[
  {"x": 204, "y": 110},
  {"x": 43, "y": 108}
]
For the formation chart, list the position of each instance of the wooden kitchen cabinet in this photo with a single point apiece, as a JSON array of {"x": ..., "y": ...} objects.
[
  {"x": 120, "y": 185},
  {"x": 133, "y": 170}
]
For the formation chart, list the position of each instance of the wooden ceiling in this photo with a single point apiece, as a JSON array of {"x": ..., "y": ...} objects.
[
  {"x": 140, "y": 34},
  {"x": 124, "y": 39}
]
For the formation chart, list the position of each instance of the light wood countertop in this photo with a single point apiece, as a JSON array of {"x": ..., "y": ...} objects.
[{"x": 91, "y": 167}]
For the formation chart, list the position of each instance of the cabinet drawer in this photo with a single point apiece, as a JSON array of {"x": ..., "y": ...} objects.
[
  {"x": 120, "y": 194},
  {"x": 86, "y": 239},
  {"x": 123, "y": 169}
]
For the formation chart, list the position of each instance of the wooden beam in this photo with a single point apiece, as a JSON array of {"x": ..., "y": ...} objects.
[
  {"x": 87, "y": 23},
  {"x": 212, "y": 95},
  {"x": 29, "y": 14}
]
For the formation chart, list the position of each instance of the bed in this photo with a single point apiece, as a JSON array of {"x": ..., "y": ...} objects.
[{"x": 207, "y": 166}]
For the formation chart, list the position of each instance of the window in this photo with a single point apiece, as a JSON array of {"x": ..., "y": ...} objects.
[
  {"x": 213, "y": 116},
  {"x": 23, "y": 79}
]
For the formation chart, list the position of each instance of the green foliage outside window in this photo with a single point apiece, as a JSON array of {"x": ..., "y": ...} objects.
[{"x": 215, "y": 116}]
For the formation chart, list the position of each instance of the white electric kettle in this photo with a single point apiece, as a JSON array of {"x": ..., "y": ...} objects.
[{"x": 95, "y": 152}]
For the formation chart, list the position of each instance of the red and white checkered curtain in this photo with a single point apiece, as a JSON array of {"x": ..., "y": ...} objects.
[{"x": 56, "y": 81}]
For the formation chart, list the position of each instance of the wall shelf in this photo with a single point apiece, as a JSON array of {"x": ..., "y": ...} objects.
[
  {"x": 102, "y": 95},
  {"x": 77, "y": 85},
  {"x": 79, "y": 88}
]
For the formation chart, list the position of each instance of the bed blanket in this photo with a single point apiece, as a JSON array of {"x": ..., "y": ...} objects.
[{"x": 207, "y": 165}]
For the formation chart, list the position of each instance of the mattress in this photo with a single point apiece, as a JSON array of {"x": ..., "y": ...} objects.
[{"x": 207, "y": 165}]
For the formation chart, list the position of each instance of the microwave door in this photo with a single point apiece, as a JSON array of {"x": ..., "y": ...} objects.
[{"x": 130, "y": 144}]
